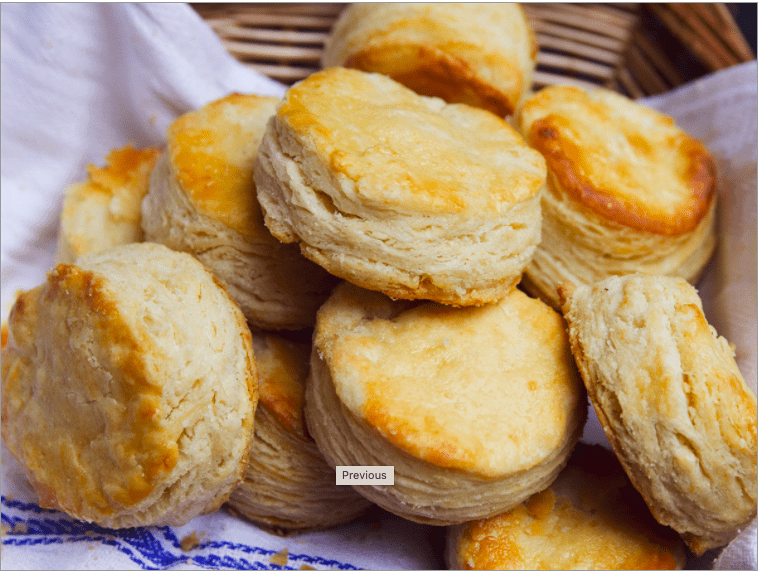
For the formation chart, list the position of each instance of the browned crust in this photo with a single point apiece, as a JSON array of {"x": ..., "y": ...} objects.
[
  {"x": 69, "y": 285},
  {"x": 560, "y": 154},
  {"x": 434, "y": 73},
  {"x": 594, "y": 484}
]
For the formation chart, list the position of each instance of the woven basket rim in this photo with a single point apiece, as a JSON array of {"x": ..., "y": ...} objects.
[{"x": 617, "y": 46}]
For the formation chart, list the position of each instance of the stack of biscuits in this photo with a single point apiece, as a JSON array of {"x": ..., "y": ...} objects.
[{"x": 409, "y": 260}]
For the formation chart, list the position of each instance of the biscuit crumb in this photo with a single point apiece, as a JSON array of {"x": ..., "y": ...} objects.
[
  {"x": 189, "y": 542},
  {"x": 20, "y": 528},
  {"x": 306, "y": 567},
  {"x": 4, "y": 529},
  {"x": 280, "y": 558}
]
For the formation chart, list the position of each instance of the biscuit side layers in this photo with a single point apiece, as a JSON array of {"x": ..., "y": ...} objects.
[
  {"x": 576, "y": 242},
  {"x": 288, "y": 486},
  {"x": 264, "y": 276}
]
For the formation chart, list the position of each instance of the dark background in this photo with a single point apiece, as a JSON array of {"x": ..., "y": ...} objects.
[
  {"x": 745, "y": 15},
  {"x": 683, "y": 56}
]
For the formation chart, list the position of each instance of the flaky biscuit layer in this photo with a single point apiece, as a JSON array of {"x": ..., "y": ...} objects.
[
  {"x": 581, "y": 247},
  {"x": 288, "y": 486}
]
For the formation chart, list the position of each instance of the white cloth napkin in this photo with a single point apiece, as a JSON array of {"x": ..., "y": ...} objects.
[{"x": 78, "y": 80}]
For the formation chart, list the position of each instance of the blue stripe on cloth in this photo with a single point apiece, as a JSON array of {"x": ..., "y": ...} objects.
[{"x": 150, "y": 548}]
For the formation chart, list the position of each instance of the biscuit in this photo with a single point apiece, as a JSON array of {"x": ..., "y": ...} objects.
[
  {"x": 669, "y": 395},
  {"x": 288, "y": 485},
  {"x": 129, "y": 388},
  {"x": 202, "y": 201},
  {"x": 628, "y": 191},
  {"x": 479, "y": 54},
  {"x": 104, "y": 210},
  {"x": 590, "y": 518},
  {"x": 476, "y": 408},
  {"x": 400, "y": 193}
]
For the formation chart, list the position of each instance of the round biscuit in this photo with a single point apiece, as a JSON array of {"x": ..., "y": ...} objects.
[
  {"x": 672, "y": 401},
  {"x": 476, "y": 408},
  {"x": 628, "y": 190},
  {"x": 400, "y": 193},
  {"x": 129, "y": 388}
]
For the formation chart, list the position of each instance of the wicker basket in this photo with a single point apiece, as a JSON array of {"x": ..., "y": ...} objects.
[{"x": 637, "y": 49}]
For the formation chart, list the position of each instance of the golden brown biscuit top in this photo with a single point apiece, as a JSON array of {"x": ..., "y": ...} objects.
[
  {"x": 393, "y": 149},
  {"x": 119, "y": 397},
  {"x": 591, "y": 518},
  {"x": 489, "y": 390},
  {"x": 105, "y": 209},
  {"x": 125, "y": 168},
  {"x": 628, "y": 163},
  {"x": 282, "y": 371},
  {"x": 212, "y": 151}
]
